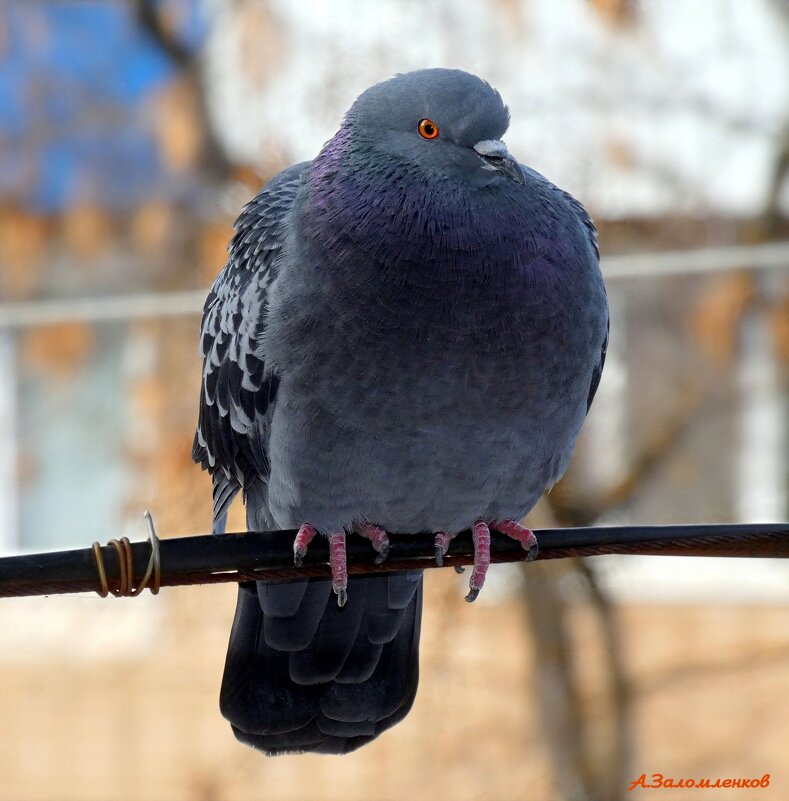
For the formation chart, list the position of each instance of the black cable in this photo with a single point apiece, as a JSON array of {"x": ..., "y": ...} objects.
[{"x": 210, "y": 559}]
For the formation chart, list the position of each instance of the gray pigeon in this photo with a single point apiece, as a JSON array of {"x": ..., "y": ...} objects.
[{"x": 407, "y": 337}]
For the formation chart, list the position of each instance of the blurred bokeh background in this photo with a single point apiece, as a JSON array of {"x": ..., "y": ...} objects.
[{"x": 130, "y": 135}]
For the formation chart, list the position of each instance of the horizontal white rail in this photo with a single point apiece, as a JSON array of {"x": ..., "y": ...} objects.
[{"x": 190, "y": 302}]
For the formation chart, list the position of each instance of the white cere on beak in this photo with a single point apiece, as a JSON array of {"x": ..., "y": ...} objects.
[{"x": 492, "y": 148}]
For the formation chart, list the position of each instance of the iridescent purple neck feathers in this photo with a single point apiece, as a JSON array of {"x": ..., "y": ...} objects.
[
  {"x": 362, "y": 203},
  {"x": 375, "y": 218}
]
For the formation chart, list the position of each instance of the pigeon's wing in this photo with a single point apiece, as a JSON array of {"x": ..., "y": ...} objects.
[
  {"x": 591, "y": 233},
  {"x": 598, "y": 369},
  {"x": 238, "y": 390}
]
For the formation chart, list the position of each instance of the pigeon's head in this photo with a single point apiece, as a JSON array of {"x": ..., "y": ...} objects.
[{"x": 440, "y": 121}]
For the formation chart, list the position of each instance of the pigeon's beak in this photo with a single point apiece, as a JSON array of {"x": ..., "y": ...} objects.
[{"x": 496, "y": 157}]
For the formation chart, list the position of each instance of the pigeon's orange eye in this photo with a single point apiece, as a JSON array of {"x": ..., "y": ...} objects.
[{"x": 427, "y": 129}]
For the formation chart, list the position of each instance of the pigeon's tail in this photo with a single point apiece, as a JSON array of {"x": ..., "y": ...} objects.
[{"x": 303, "y": 674}]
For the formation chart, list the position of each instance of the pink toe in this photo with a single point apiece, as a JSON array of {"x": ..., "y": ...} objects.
[
  {"x": 517, "y": 532},
  {"x": 338, "y": 563},
  {"x": 481, "y": 536},
  {"x": 377, "y": 536},
  {"x": 306, "y": 535}
]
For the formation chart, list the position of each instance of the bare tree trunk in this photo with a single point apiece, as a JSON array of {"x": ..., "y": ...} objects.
[
  {"x": 581, "y": 774},
  {"x": 554, "y": 690},
  {"x": 614, "y": 779}
]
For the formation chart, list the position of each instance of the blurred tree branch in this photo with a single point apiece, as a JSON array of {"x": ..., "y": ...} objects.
[
  {"x": 772, "y": 216},
  {"x": 573, "y": 508},
  {"x": 152, "y": 22},
  {"x": 214, "y": 163}
]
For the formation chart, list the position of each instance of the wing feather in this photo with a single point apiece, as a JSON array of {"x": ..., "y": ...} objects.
[
  {"x": 591, "y": 232},
  {"x": 598, "y": 370},
  {"x": 238, "y": 391}
]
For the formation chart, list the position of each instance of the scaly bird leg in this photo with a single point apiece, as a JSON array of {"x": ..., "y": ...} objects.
[
  {"x": 337, "y": 561},
  {"x": 481, "y": 535},
  {"x": 306, "y": 535},
  {"x": 339, "y": 567},
  {"x": 378, "y": 537},
  {"x": 518, "y": 532}
]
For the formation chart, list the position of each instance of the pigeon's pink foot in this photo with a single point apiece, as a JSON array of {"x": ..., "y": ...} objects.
[
  {"x": 378, "y": 537},
  {"x": 339, "y": 567},
  {"x": 337, "y": 561},
  {"x": 518, "y": 532},
  {"x": 441, "y": 544},
  {"x": 306, "y": 535},
  {"x": 481, "y": 535}
]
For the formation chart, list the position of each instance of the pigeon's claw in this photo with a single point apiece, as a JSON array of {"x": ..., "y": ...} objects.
[
  {"x": 339, "y": 567},
  {"x": 518, "y": 532},
  {"x": 337, "y": 561},
  {"x": 442, "y": 541},
  {"x": 379, "y": 539},
  {"x": 481, "y": 535},
  {"x": 306, "y": 535}
]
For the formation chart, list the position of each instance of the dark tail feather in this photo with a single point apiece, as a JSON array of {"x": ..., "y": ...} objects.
[{"x": 304, "y": 675}]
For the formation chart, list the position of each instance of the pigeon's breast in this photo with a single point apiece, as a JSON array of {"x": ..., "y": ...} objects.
[{"x": 427, "y": 398}]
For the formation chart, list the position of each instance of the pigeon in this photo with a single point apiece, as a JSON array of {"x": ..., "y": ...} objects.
[{"x": 407, "y": 337}]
